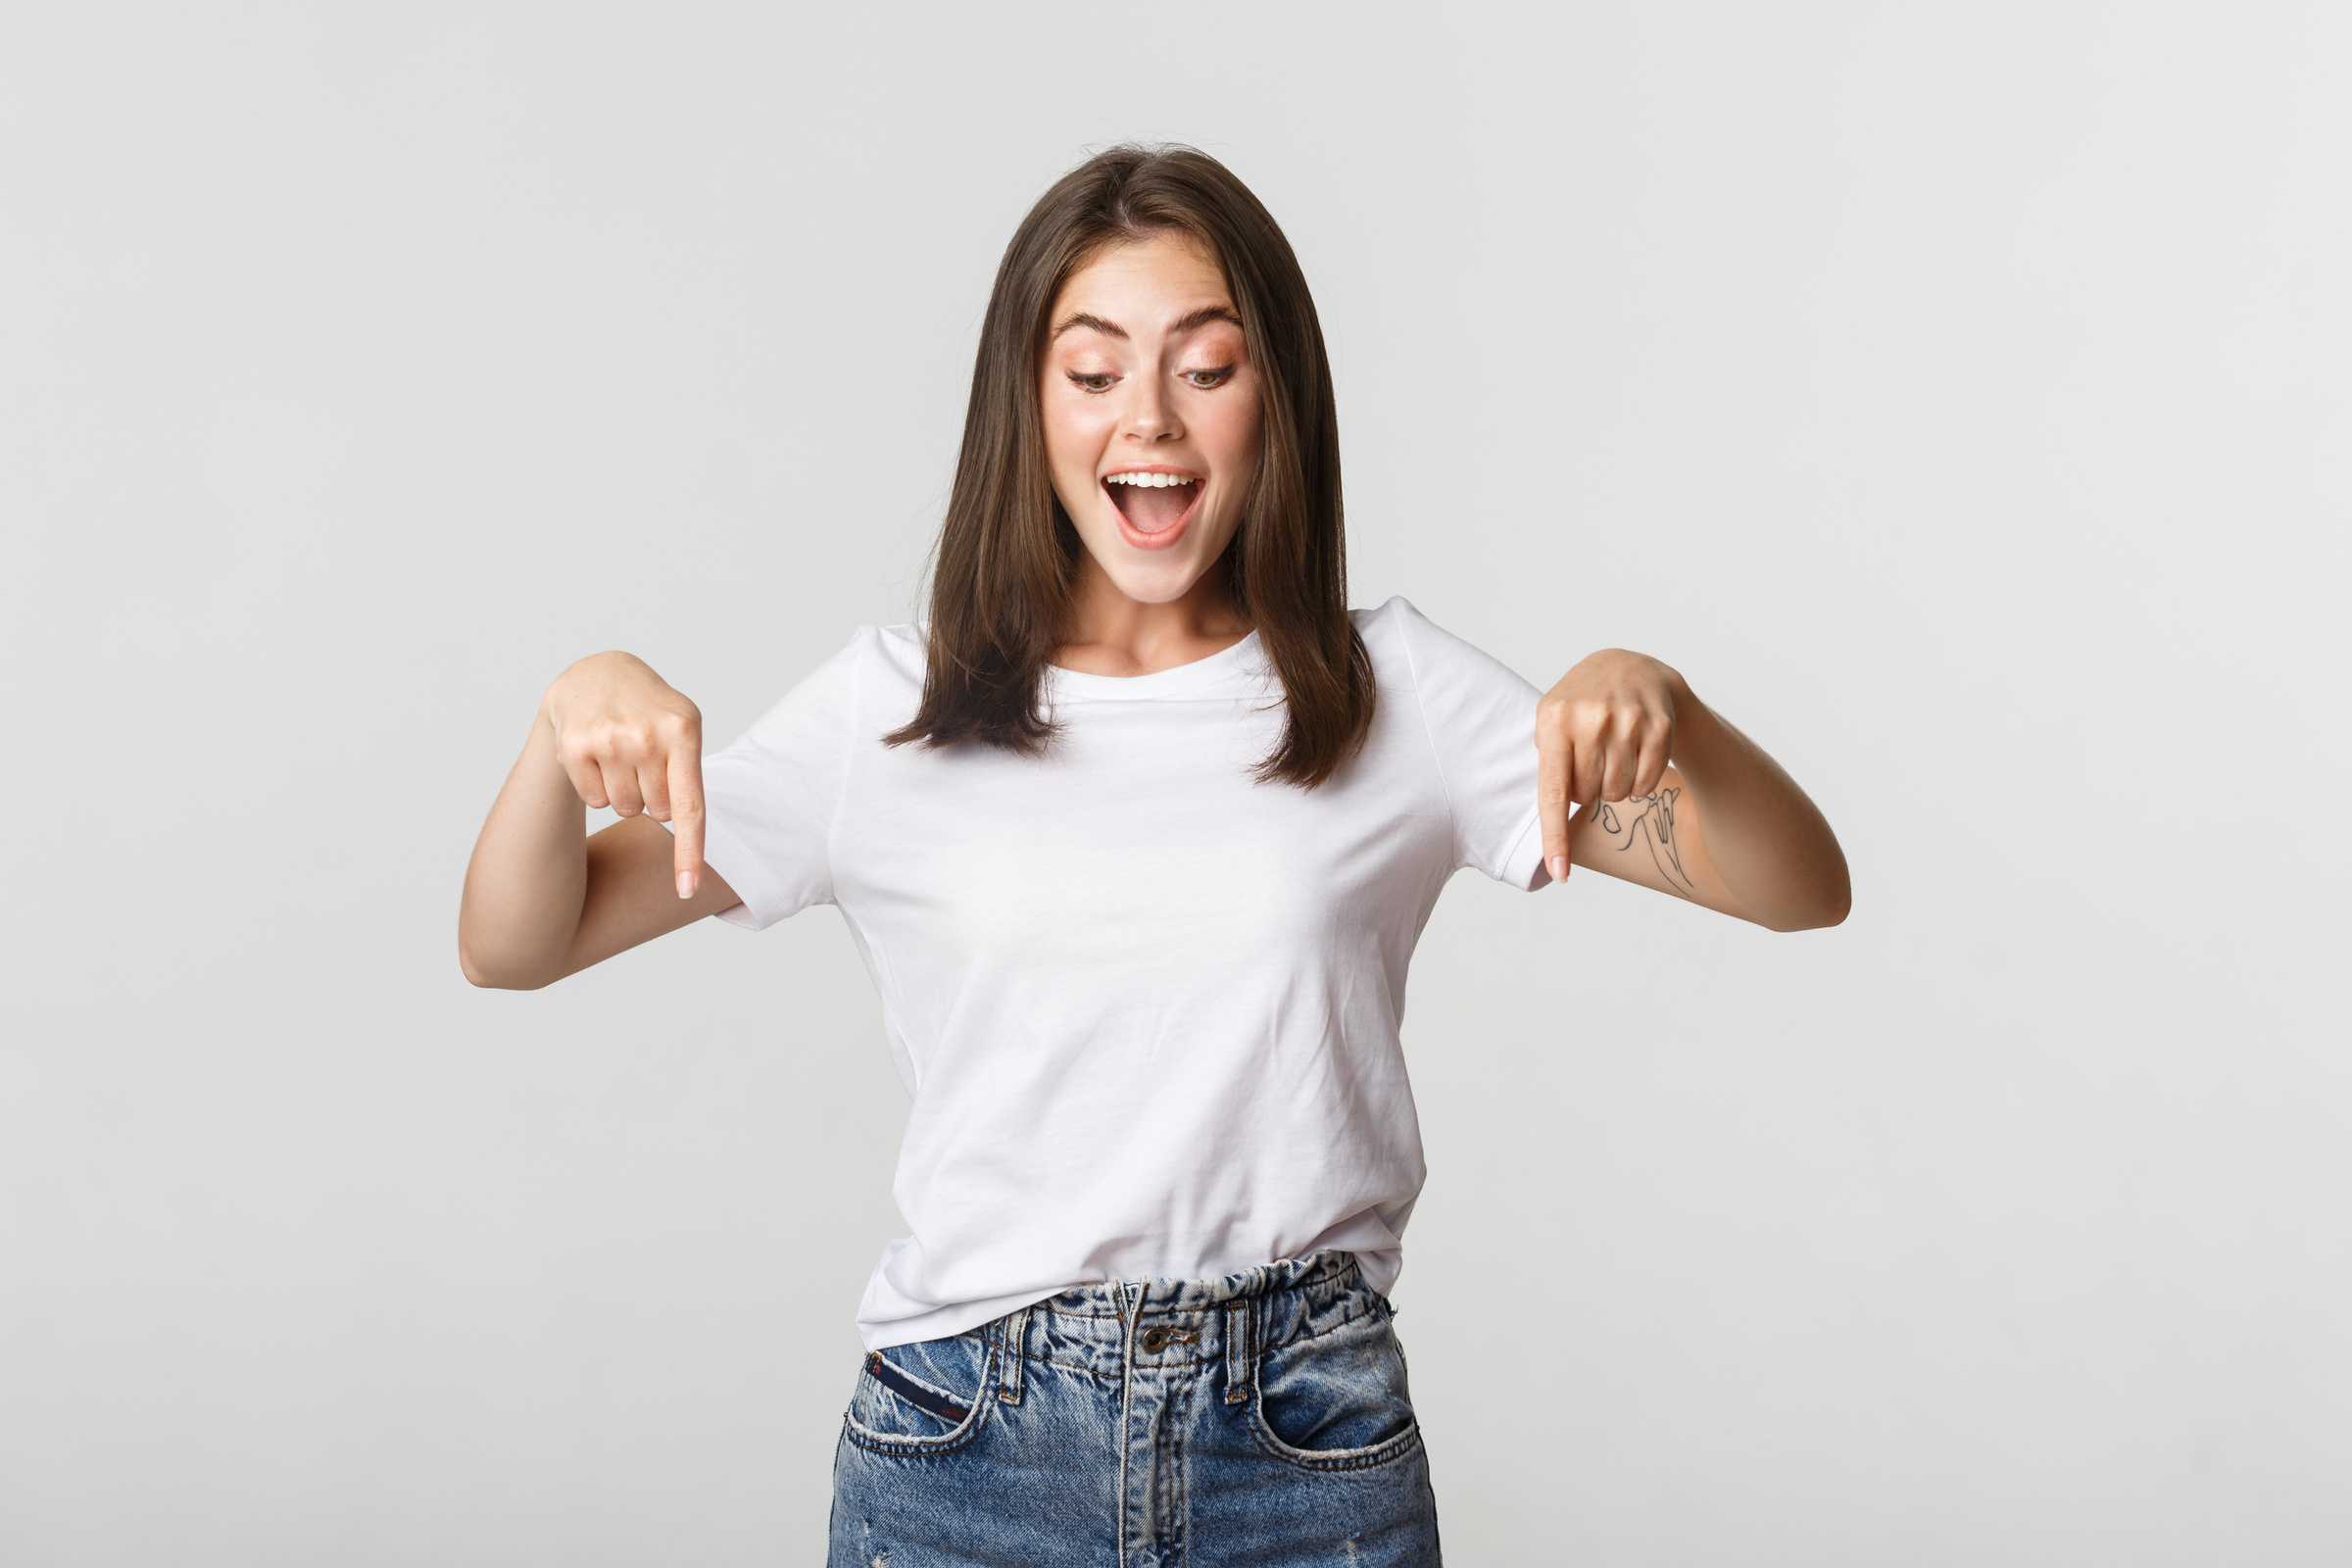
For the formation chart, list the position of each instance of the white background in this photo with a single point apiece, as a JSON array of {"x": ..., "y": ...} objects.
[{"x": 1957, "y": 395}]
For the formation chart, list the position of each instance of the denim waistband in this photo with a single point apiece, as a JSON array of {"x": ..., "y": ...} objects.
[{"x": 1185, "y": 1327}]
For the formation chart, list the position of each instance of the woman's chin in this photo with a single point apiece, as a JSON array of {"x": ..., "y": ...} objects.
[
  {"x": 1158, "y": 584},
  {"x": 1151, "y": 576}
]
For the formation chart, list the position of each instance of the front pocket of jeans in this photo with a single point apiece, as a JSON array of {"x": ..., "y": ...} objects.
[
  {"x": 1337, "y": 1401},
  {"x": 926, "y": 1397}
]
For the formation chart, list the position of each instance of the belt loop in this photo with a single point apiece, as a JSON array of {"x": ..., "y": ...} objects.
[
  {"x": 1016, "y": 1342},
  {"x": 1236, "y": 1351}
]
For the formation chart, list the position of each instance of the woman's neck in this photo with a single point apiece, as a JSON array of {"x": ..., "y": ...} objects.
[{"x": 1115, "y": 635}]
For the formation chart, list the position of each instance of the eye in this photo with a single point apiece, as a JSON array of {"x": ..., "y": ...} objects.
[
  {"x": 1208, "y": 379},
  {"x": 1092, "y": 380}
]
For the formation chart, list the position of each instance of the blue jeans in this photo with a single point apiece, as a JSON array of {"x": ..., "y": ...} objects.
[{"x": 1261, "y": 1418}]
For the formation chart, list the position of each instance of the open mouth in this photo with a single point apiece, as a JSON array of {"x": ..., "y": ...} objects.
[{"x": 1153, "y": 504}]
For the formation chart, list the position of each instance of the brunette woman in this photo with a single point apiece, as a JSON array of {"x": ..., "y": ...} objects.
[{"x": 1136, "y": 835}]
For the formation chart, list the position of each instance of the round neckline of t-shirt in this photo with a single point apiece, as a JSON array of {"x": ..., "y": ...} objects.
[{"x": 1170, "y": 682}]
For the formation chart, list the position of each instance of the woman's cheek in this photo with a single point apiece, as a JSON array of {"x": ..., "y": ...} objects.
[
  {"x": 1233, "y": 442},
  {"x": 1229, "y": 418}
]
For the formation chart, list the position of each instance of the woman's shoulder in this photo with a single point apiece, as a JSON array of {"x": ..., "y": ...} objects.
[
  {"x": 875, "y": 665},
  {"x": 1385, "y": 628},
  {"x": 883, "y": 669},
  {"x": 876, "y": 650},
  {"x": 901, "y": 647},
  {"x": 1408, "y": 647}
]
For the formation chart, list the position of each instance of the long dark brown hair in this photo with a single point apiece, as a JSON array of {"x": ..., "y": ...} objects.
[{"x": 1007, "y": 557}]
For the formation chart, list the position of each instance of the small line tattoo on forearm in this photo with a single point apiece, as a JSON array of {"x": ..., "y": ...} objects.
[{"x": 1648, "y": 820}]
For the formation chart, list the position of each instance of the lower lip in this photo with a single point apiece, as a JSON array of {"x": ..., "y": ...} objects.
[{"x": 1168, "y": 536}]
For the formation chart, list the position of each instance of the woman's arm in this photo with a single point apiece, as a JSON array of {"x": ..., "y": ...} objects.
[
  {"x": 541, "y": 899},
  {"x": 1723, "y": 825}
]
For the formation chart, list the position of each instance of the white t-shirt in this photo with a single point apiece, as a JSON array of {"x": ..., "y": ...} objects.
[{"x": 1147, "y": 1008}]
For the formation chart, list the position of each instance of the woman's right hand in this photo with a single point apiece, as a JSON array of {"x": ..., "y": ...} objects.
[{"x": 628, "y": 740}]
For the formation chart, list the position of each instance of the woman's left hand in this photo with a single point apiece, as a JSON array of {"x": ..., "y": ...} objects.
[
  {"x": 1606, "y": 732},
  {"x": 1723, "y": 826}
]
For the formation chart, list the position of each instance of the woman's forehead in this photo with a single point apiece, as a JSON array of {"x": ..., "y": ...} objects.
[{"x": 1157, "y": 279}]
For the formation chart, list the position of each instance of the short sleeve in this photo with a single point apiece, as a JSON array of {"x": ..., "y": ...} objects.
[
  {"x": 770, "y": 796},
  {"x": 1481, "y": 719}
]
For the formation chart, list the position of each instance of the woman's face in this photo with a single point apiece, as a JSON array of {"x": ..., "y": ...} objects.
[{"x": 1151, "y": 414}]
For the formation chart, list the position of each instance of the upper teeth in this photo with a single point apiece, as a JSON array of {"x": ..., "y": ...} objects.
[{"x": 1153, "y": 481}]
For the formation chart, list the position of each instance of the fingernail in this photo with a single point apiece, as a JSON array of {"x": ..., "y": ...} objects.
[
  {"x": 1559, "y": 868},
  {"x": 686, "y": 881}
]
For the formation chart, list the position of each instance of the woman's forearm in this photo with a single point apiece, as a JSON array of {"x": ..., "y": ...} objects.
[
  {"x": 1767, "y": 841},
  {"x": 528, "y": 878},
  {"x": 541, "y": 900}
]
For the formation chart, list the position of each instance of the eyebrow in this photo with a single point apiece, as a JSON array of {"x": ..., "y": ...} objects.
[{"x": 1184, "y": 323}]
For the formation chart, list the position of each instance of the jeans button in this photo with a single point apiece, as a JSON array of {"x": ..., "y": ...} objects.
[{"x": 1154, "y": 1341}]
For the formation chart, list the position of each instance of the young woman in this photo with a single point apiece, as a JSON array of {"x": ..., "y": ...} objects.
[{"x": 1136, "y": 836}]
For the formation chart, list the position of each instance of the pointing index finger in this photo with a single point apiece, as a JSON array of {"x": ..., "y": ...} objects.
[
  {"x": 686, "y": 817},
  {"x": 1553, "y": 764}
]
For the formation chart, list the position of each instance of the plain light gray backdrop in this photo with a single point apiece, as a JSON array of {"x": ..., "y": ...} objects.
[{"x": 1957, "y": 396}]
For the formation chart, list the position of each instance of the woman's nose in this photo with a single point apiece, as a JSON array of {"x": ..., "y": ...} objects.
[{"x": 1154, "y": 418}]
